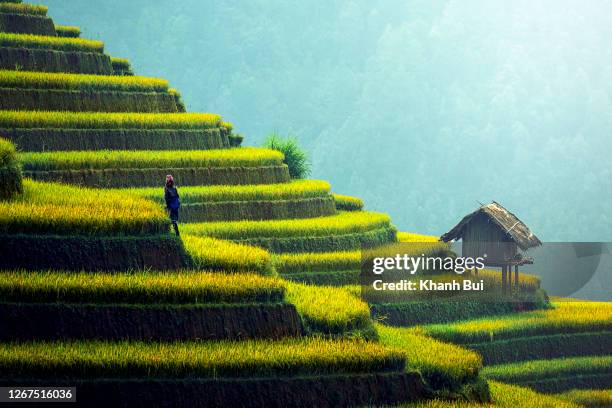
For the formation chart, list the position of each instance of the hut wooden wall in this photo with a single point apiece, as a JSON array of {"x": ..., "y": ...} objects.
[{"x": 482, "y": 236}]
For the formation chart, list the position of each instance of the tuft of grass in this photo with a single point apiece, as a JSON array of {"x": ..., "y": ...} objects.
[
  {"x": 342, "y": 223},
  {"x": 123, "y": 159},
  {"x": 348, "y": 203},
  {"x": 49, "y": 208},
  {"x": 11, "y": 183},
  {"x": 216, "y": 254},
  {"x": 80, "y": 82},
  {"x": 184, "y": 287},
  {"x": 328, "y": 309},
  {"x": 212, "y": 359},
  {"x": 102, "y": 120},
  {"x": 443, "y": 365},
  {"x": 51, "y": 43},
  {"x": 564, "y": 317},
  {"x": 295, "y": 158},
  {"x": 263, "y": 192}
]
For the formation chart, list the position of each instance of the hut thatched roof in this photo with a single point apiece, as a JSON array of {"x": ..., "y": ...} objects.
[{"x": 508, "y": 222}]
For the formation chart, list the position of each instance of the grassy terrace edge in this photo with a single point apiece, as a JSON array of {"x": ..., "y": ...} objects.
[
  {"x": 66, "y": 81},
  {"x": 175, "y": 287},
  {"x": 31, "y": 41},
  {"x": 148, "y": 159},
  {"x": 305, "y": 356},
  {"x": 100, "y": 120}
]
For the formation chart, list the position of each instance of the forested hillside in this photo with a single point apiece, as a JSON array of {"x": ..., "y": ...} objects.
[{"x": 421, "y": 108}]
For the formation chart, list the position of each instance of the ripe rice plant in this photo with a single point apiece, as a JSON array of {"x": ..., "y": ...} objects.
[
  {"x": 348, "y": 203},
  {"x": 68, "y": 31},
  {"x": 185, "y": 287},
  {"x": 329, "y": 310},
  {"x": 412, "y": 237},
  {"x": 101, "y": 120},
  {"x": 564, "y": 317},
  {"x": 215, "y": 254},
  {"x": 540, "y": 370},
  {"x": 45, "y": 208},
  {"x": 443, "y": 365},
  {"x": 264, "y": 192},
  {"x": 588, "y": 398},
  {"x": 10, "y": 172},
  {"x": 19, "y": 8},
  {"x": 48, "y": 80},
  {"x": 342, "y": 223},
  {"x": 146, "y": 159},
  {"x": 49, "y": 42},
  {"x": 122, "y": 66},
  {"x": 317, "y": 262},
  {"x": 205, "y": 359}
]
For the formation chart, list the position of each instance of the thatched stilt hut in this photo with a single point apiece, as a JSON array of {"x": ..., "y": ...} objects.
[{"x": 494, "y": 233}]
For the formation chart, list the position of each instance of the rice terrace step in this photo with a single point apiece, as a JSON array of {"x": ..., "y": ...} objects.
[{"x": 257, "y": 301}]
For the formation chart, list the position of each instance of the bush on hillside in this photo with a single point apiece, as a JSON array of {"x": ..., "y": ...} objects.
[
  {"x": 10, "y": 172},
  {"x": 295, "y": 157}
]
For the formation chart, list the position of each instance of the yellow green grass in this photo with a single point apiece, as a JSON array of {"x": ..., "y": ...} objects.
[
  {"x": 588, "y": 398},
  {"x": 329, "y": 309},
  {"x": 67, "y": 31},
  {"x": 348, "y": 203},
  {"x": 19, "y": 8},
  {"x": 254, "y": 358},
  {"x": 48, "y": 208},
  {"x": 502, "y": 396},
  {"x": 52, "y": 80},
  {"x": 342, "y": 223},
  {"x": 538, "y": 370},
  {"x": 184, "y": 287},
  {"x": 103, "y": 120},
  {"x": 443, "y": 365},
  {"x": 143, "y": 159},
  {"x": 51, "y": 43},
  {"x": 564, "y": 317},
  {"x": 317, "y": 262},
  {"x": 216, "y": 254},
  {"x": 264, "y": 192}
]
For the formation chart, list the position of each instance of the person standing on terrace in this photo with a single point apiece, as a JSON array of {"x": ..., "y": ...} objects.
[{"x": 173, "y": 202}]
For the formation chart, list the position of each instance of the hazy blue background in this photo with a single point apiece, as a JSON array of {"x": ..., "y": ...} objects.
[{"x": 421, "y": 107}]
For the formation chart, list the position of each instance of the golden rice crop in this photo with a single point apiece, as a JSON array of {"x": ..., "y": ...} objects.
[
  {"x": 173, "y": 287},
  {"x": 502, "y": 396},
  {"x": 342, "y": 223},
  {"x": 52, "y": 80},
  {"x": 259, "y": 192},
  {"x": 18, "y": 8},
  {"x": 211, "y": 253},
  {"x": 317, "y": 262},
  {"x": 68, "y": 31},
  {"x": 348, "y": 203},
  {"x": 442, "y": 364},
  {"x": 538, "y": 370},
  {"x": 48, "y": 42},
  {"x": 564, "y": 317},
  {"x": 329, "y": 309},
  {"x": 123, "y": 159},
  {"x": 203, "y": 359},
  {"x": 103, "y": 120},
  {"x": 48, "y": 208},
  {"x": 412, "y": 237},
  {"x": 588, "y": 398},
  {"x": 121, "y": 62}
]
